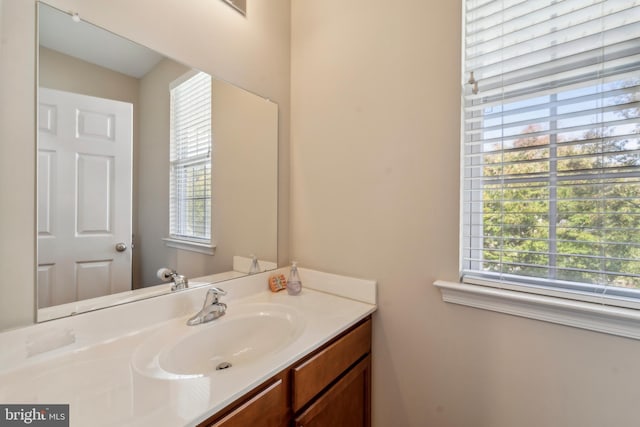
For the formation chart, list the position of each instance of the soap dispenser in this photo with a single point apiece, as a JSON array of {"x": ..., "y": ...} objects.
[{"x": 294, "y": 285}]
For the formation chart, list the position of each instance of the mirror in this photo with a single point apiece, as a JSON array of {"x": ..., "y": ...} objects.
[{"x": 109, "y": 113}]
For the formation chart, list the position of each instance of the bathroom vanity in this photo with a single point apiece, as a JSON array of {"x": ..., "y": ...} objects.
[
  {"x": 271, "y": 360},
  {"x": 329, "y": 387}
]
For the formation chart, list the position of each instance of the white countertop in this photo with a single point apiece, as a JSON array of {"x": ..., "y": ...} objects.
[{"x": 87, "y": 360}]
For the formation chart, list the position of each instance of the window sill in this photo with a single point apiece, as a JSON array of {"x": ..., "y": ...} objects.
[
  {"x": 188, "y": 245},
  {"x": 618, "y": 321}
]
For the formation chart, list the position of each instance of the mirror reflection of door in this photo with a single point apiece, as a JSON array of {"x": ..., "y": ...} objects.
[{"x": 84, "y": 197}]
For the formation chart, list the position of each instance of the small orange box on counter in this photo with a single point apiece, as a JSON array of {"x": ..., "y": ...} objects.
[{"x": 277, "y": 282}]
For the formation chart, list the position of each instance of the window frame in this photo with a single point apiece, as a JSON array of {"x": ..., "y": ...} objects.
[
  {"x": 611, "y": 312},
  {"x": 176, "y": 240}
]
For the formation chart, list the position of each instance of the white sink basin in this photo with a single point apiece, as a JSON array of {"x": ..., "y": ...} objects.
[{"x": 245, "y": 334}]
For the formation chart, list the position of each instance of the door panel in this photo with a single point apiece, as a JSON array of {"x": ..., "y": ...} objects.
[
  {"x": 46, "y": 180},
  {"x": 93, "y": 279},
  {"x": 46, "y": 281},
  {"x": 47, "y": 118},
  {"x": 92, "y": 124},
  {"x": 95, "y": 194}
]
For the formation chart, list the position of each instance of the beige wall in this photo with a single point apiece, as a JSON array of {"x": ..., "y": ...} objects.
[
  {"x": 17, "y": 162},
  {"x": 64, "y": 72},
  {"x": 374, "y": 172},
  {"x": 251, "y": 52},
  {"x": 244, "y": 154}
]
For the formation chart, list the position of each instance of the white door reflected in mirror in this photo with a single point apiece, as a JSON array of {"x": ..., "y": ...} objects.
[{"x": 84, "y": 197}]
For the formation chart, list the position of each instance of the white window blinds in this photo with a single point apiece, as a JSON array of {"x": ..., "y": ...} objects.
[
  {"x": 551, "y": 156},
  {"x": 190, "y": 159}
]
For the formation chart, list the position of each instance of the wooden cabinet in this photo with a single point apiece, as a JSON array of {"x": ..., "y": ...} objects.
[
  {"x": 330, "y": 387},
  {"x": 345, "y": 404},
  {"x": 267, "y": 407},
  {"x": 325, "y": 365}
]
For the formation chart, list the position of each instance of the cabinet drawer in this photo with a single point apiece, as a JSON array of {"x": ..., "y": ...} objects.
[
  {"x": 313, "y": 375},
  {"x": 268, "y": 406},
  {"x": 346, "y": 403}
]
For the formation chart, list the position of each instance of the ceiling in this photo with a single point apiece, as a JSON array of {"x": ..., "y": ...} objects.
[{"x": 57, "y": 31}]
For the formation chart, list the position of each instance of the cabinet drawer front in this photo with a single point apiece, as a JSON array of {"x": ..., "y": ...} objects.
[
  {"x": 268, "y": 406},
  {"x": 347, "y": 403},
  {"x": 313, "y": 375}
]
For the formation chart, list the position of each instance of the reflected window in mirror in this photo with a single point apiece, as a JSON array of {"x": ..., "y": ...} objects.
[{"x": 190, "y": 161}]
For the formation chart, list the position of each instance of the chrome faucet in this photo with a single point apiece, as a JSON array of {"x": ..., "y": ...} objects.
[
  {"x": 212, "y": 308},
  {"x": 179, "y": 281}
]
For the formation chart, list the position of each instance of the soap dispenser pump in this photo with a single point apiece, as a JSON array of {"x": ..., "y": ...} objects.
[{"x": 294, "y": 285}]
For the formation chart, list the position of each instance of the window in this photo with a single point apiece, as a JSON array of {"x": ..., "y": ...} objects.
[
  {"x": 551, "y": 148},
  {"x": 190, "y": 159}
]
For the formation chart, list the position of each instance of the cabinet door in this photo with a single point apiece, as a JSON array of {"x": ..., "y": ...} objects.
[
  {"x": 322, "y": 368},
  {"x": 266, "y": 409},
  {"x": 346, "y": 404}
]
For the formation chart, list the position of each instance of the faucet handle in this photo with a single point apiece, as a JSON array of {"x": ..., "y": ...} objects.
[
  {"x": 217, "y": 291},
  {"x": 212, "y": 296}
]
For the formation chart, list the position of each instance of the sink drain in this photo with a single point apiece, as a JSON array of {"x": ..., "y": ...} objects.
[{"x": 223, "y": 365}]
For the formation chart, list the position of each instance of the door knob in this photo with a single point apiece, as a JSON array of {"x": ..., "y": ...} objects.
[{"x": 121, "y": 247}]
